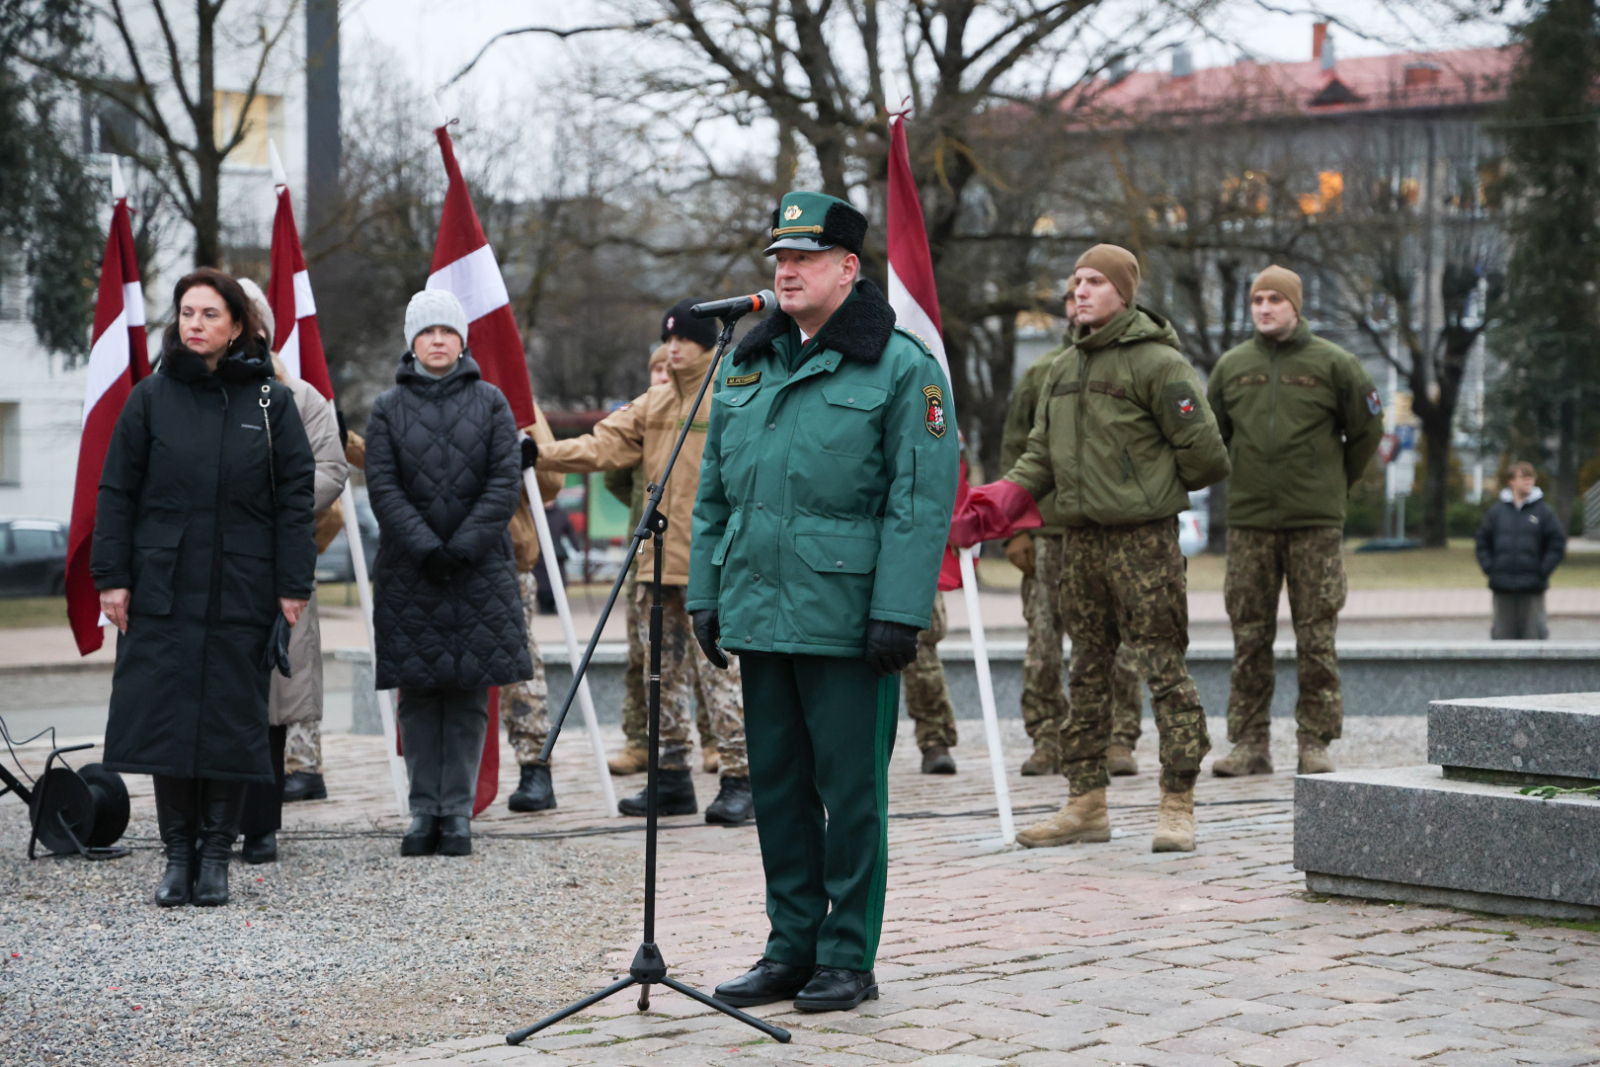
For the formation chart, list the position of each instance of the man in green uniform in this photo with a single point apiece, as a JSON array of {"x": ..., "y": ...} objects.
[
  {"x": 1302, "y": 419},
  {"x": 1122, "y": 434},
  {"x": 826, "y": 487}
]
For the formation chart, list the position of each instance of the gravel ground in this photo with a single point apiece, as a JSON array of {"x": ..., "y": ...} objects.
[{"x": 340, "y": 948}]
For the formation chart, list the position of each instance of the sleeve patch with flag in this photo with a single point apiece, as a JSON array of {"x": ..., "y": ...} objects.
[
  {"x": 1374, "y": 405},
  {"x": 935, "y": 416},
  {"x": 1184, "y": 399}
]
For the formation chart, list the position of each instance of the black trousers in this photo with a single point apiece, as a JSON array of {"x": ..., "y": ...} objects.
[{"x": 263, "y": 804}]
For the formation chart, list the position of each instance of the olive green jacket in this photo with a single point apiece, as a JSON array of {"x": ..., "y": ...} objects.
[
  {"x": 1302, "y": 419},
  {"x": 1122, "y": 432},
  {"x": 826, "y": 486},
  {"x": 1019, "y": 423}
]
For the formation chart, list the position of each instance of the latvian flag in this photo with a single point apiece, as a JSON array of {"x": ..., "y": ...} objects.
[
  {"x": 118, "y": 357},
  {"x": 298, "y": 342}
]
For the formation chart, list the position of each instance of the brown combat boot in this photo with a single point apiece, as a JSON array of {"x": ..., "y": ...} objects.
[
  {"x": 631, "y": 760},
  {"x": 1082, "y": 819},
  {"x": 1314, "y": 758},
  {"x": 1175, "y": 824},
  {"x": 1120, "y": 762},
  {"x": 1247, "y": 757},
  {"x": 710, "y": 759},
  {"x": 1045, "y": 760}
]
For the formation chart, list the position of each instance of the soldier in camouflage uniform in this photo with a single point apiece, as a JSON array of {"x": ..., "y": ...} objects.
[
  {"x": 1302, "y": 420},
  {"x": 1122, "y": 434},
  {"x": 928, "y": 697}
]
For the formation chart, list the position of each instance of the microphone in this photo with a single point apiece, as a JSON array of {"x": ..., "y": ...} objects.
[{"x": 735, "y": 307}]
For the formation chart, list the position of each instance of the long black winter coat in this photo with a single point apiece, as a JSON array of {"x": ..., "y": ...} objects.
[
  {"x": 444, "y": 468},
  {"x": 1519, "y": 548},
  {"x": 188, "y": 520}
]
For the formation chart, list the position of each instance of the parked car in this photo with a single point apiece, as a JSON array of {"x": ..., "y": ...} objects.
[
  {"x": 334, "y": 564},
  {"x": 1194, "y": 525},
  {"x": 33, "y": 557}
]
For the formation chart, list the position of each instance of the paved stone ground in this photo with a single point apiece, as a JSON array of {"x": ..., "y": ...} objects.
[{"x": 1070, "y": 957}]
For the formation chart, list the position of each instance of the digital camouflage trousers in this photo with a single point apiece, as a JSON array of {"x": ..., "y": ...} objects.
[
  {"x": 927, "y": 695},
  {"x": 686, "y": 673},
  {"x": 302, "y": 750},
  {"x": 1127, "y": 585},
  {"x": 1044, "y": 693},
  {"x": 1259, "y": 563},
  {"x": 635, "y": 700},
  {"x": 525, "y": 705}
]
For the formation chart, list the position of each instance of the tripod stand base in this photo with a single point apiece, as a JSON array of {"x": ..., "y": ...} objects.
[{"x": 648, "y": 969}]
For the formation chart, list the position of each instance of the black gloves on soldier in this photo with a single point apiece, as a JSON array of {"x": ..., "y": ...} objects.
[
  {"x": 708, "y": 631},
  {"x": 891, "y": 646},
  {"x": 530, "y": 452}
]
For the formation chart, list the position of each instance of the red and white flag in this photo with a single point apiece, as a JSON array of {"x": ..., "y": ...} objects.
[
  {"x": 464, "y": 264},
  {"x": 298, "y": 342},
  {"x": 118, "y": 357}
]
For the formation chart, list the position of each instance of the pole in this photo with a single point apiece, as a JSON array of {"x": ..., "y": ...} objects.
[
  {"x": 547, "y": 554},
  {"x": 358, "y": 563},
  {"x": 991, "y": 719}
]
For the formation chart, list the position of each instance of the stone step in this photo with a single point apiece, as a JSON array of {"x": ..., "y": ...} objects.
[
  {"x": 1551, "y": 737},
  {"x": 1409, "y": 833}
]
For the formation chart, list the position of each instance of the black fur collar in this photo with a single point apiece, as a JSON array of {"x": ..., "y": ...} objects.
[{"x": 858, "y": 331}]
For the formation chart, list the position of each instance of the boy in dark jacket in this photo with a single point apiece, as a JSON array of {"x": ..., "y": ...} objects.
[{"x": 1519, "y": 544}]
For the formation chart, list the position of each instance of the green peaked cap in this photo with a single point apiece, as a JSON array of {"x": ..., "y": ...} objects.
[{"x": 813, "y": 222}]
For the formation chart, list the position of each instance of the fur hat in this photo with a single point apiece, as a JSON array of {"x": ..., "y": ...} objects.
[
  {"x": 435, "y": 307},
  {"x": 677, "y": 322},
  {"x": 1116, "y": 263},
  {"x": 1279, "y": 280}
]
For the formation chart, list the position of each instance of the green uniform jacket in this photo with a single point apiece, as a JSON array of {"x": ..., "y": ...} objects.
[
  {"x": 826, "y": 489},
  {"x": 1301, "y": 419},
  {"x": 1019, "y": 423},
  {"x": 1122, "y": 432}
]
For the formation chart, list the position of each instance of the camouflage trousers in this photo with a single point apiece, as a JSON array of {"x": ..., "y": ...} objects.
[
  {"x": 1259, "y": 563},
  {"x": 1127, "y": 585},
  {"x": 525, "y": 706},
  {"x": 302, "y": 751},
  {"x": 1044, "y": 694},
  {"x": 686, "y": 673},
  {"x": 635, "y": 701},
  {"x": 927, "y": 695}
]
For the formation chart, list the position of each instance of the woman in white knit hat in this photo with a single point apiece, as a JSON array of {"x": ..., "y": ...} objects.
[{"x": 444, "y": 476}]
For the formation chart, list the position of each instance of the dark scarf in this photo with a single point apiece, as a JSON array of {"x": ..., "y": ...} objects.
[
  {"x": 248, "y": 360},
  {"x": 858, "y": 331}
]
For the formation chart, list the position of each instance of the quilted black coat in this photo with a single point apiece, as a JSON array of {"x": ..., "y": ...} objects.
[{"x": 443, "y": 468}]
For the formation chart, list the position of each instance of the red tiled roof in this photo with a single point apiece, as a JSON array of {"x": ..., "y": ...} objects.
[{"x": 1368, "y": 84}]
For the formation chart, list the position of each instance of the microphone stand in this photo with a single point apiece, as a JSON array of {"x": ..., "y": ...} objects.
[{"x": 648, "y": 966}]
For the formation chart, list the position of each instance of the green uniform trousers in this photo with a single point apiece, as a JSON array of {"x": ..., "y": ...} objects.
[{"x": 819, "y": 730}]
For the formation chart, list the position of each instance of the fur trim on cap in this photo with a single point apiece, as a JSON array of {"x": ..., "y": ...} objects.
[{"x": 435, "y": 307}]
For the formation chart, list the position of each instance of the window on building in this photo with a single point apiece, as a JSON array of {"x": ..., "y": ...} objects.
[
  {"x": 110, "y": 127},
  {"x": 263, "y": 118},
  {"x": 10, "y": 444}
]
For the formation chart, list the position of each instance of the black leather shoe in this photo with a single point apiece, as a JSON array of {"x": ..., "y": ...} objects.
[
  {"x": 260, "y": 848},
  {"x": 303, "y": 785},
  {"x": 836, "y": 989},
  {"x": 734, "y": 804},
  {"x": 455, "y": 835},
  {"x": 765, "y": 983},
  {"x": 423, "y": 837},
  {"x": 534, "y": 791},
  {"x": 221, "y": 806},
  {"x": 178, "y": 815},
  {"x": 674, "y": 796},
  {"x": 936, "y": 759}
]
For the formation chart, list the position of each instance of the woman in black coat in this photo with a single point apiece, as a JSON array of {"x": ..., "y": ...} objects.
[
  {"x": 203, "y": 538},
  {"x": 443, "y": 475}
]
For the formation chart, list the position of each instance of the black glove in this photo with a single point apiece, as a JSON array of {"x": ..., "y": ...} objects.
[
  {"x": 708, "y": 631},
  {"x": 891, "y": 646},
  {"x": 530, "y": 452},
  {"x": 443, "y": 564}
]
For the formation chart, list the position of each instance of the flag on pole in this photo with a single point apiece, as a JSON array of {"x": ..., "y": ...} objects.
[
  {"x": 464, "y": 264},
  {"x": 298, "y": 341},
  {"x": 118, "y": 357}
]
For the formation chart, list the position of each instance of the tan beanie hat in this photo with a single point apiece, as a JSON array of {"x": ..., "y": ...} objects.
[
  {"x": 1116, "y": 263},
  {"x": 1279, "y": 280}
]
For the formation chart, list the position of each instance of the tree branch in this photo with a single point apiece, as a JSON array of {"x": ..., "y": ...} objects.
[{"x": 641, "y": 24}]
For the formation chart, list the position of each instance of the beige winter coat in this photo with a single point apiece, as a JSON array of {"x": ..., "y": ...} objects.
[{"x": 524, "y": 535}]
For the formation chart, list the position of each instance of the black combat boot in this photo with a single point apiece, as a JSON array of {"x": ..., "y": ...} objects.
[
  {"x": 178, "y": 815},
  {"x": 423, "y": 837},
  {"x": 734, "y": 804},
  {"x": 936, "y": 759},
  {"x": 455, "y": 835},
  {"x": 674, "y": 796},
  {"x": 534, "y": 792},
  {"x": 766, "y": 983},
  {"x": 221, "y": 806},
  {"x": 304, "y": 785}
]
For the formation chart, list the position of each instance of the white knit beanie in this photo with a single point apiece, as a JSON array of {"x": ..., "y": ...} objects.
[
  {"x": 434, "y": 307},
  {"x": 258, "y": 299}
]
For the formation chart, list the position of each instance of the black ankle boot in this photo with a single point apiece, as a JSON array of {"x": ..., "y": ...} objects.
[
  {"x": 260, "y": 848},
  {"x": 455, "y": 835},
  {"x": 221, "y": 806},
  {"x": 304, "y": 785},
  {"x": 674, "y": 796},
  {"x": 423, "y": 837},
  {"x": 178, "y": 814},
  {"x": 734, "y": 804},
  {"x": 534, "y": 792}
]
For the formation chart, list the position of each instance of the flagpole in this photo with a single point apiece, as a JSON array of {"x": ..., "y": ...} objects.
[
  {"x": 547, "y": 553},
  {"x": 358, "y": 564},
  {"x": 991, "y": 720}
]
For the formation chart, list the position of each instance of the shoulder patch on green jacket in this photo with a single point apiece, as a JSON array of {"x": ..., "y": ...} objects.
[
  {"x": 915, "y": 336},
  {"x": 1183, "y": 398}
]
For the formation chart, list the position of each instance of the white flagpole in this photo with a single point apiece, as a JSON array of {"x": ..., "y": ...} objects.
[
  {"x": 358, "y": 563},
  {"x": 991, "y": 720},
  {"x": 547, "y": 555}
]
